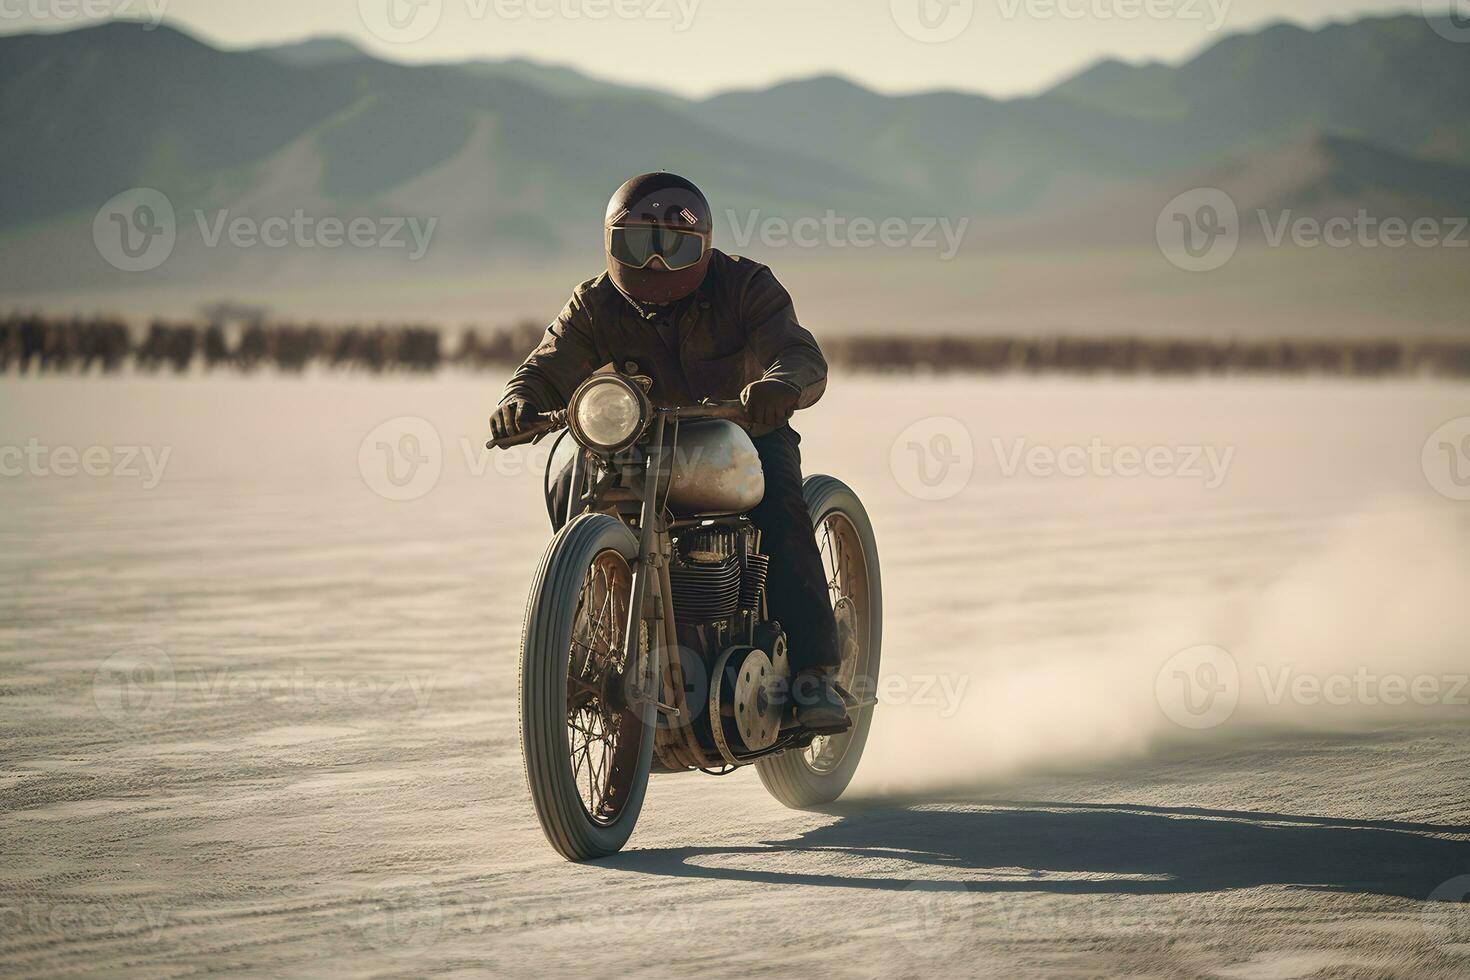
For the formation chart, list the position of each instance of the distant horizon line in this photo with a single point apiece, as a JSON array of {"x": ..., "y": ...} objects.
[{"x": 300, "y": 40}]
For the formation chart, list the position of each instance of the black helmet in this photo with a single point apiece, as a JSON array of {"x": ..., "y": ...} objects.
[{"x": 657, "y": 236}]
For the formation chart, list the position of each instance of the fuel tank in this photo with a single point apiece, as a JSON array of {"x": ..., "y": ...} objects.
[{"x": 716, "y": 470}]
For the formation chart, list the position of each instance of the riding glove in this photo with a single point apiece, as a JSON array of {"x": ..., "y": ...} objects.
[
  {"x": 770, "y": 401},
  {"x": 512, "y": 417}
]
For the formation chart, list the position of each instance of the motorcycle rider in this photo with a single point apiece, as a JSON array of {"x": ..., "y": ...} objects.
[{"x": 703, "y": 324}]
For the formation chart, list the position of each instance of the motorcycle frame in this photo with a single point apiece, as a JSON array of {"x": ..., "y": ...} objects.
[{"x": 651, "y": 603}]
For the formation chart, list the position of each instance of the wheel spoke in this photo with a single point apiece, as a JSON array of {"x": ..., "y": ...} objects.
[
  {"x": 594, "y": 671},
  {"x": 847, "y": 590}
]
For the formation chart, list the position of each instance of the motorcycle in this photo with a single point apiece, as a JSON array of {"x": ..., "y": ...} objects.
[{"x": 646, "y": 646}]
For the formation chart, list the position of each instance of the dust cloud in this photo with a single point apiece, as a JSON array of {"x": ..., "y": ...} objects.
[{"x": 1371, "y": 627}]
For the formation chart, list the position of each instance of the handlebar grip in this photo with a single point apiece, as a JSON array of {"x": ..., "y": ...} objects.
[
  {"x": 732, "y": 410},
  {"x": 528, "y": 434}
]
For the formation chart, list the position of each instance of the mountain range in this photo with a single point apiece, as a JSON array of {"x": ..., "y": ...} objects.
[{"x": 515, "y": 158}]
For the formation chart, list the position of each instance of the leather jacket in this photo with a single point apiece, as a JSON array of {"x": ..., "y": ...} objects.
[{"x": 738, "y": 327}]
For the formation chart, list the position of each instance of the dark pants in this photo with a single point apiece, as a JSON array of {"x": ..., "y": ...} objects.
[{"x": 796, "y": 587}]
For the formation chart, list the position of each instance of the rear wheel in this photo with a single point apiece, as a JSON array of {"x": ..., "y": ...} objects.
[
  {"x": 586, "y": 750},
  {"x": 820, "y": 773}
]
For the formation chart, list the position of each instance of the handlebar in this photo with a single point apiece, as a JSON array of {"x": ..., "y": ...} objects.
[
  {"x": 530, "y": 433},
  {"x": 733, "y": 411}
]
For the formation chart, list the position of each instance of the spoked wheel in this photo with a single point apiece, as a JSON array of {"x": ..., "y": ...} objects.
[
  {"x": 819, "y": 773},
  {"x": 587, "y": 751}
]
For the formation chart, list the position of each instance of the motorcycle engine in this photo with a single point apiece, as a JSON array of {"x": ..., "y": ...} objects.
[{"x": 717, "y": 573}]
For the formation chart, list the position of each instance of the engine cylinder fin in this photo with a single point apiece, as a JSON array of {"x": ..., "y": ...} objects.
[
  {"x": 753, "y": 584},
  {"x": 705, "y": 590}
]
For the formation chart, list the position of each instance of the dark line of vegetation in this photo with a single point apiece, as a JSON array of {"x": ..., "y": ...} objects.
[{"x": 35, "y": 344}]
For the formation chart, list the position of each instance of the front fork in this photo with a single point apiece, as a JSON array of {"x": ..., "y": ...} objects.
[{"x": 644, "y": 687}]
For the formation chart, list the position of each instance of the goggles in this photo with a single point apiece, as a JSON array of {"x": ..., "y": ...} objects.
[{"x": 636, "y": 245}]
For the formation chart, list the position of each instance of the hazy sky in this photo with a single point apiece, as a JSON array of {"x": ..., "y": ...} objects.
[{"x": 1000, "y": 47}]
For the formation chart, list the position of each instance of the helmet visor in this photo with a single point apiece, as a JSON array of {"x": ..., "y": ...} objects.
[{"x": 636, "y": 245}]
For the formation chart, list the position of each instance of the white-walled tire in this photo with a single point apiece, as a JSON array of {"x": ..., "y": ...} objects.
[
  {"x": 819, "y": 774},
  {"x": 586, "y": 755}
]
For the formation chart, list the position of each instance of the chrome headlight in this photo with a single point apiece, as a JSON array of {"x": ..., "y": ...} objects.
[{"x": 608, "y": 413}]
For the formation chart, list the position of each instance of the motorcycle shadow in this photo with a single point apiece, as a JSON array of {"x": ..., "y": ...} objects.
[{"x": 1092, "y": 849}]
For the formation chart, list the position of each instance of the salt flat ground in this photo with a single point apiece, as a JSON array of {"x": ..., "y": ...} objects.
[{"x": 258, "y": 717}]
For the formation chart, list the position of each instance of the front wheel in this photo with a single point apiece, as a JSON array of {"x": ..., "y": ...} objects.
[
  {"x": 820, "y": 773},
  {"x": 587, "y": 752}
]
